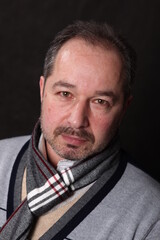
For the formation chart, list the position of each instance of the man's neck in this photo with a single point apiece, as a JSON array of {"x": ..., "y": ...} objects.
[{"x": 49, "y": 155}]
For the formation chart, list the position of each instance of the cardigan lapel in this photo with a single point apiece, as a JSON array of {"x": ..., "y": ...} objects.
[{"x": 72, "y": 218}]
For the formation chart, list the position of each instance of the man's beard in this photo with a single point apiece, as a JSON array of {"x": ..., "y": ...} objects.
[{"x": 69, "y": 151}]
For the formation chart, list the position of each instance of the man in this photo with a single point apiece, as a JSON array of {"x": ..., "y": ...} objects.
[{"x": 72, "y": 180}]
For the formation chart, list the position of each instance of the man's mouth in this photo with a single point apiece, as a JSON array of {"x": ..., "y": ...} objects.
[
  {"x": 74, "y": 137},
  {"x": 73, "y": 140}
]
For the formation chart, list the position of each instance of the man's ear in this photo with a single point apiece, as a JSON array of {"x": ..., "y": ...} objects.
[
  {"x": 127, "y": 103},
  {"x": 125, "y": 107},
  {"x": 41, "y": 87}
]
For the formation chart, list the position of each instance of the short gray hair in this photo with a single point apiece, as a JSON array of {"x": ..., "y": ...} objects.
[{"x": 96, "y": 34}]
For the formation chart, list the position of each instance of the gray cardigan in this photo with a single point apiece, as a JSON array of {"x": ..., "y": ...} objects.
[{"x": 125, "y": 208}]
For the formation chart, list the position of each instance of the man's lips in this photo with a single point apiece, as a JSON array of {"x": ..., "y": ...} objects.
[
  {"x": 74, "y": 140},
  {"x": 71, "y": 134}
]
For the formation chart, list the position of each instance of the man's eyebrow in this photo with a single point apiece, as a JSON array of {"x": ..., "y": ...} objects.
[
  {"x": 62, "y": 83},
  {"x": 106, "y": 93}
]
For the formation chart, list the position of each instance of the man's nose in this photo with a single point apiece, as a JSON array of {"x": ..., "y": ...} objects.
[{"x": 79, "y": 116}]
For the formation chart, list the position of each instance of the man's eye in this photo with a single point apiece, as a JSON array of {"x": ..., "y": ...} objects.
[
  {"x": 101, "y": 102},
  {"x": 65, "y": 94}
]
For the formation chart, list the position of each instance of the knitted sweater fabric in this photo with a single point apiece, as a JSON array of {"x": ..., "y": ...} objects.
[{"x": 128, "y": 207}]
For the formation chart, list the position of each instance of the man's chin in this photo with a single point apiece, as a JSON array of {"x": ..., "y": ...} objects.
[
  {"x": 70, "y": 146},
  {"x": 72, "y": 153},
  {"x": 71, "y": 156}
]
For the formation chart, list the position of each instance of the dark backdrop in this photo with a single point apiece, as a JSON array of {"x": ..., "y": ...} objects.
[{"x": 27, "y": 27}]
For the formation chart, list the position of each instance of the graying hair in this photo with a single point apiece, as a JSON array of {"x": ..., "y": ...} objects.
[{"x": 96, "y": 34}]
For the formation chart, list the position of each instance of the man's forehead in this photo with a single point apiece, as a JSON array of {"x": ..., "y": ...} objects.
[
  {"x": 78, "y": 44},
  {"x": 73, "y": 46},
  {"x": 74, "y": 64},
  {"x": 80, "y": 48}
]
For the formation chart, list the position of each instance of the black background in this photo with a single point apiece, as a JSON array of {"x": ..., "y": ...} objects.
[{"x": 26, "y": 29}]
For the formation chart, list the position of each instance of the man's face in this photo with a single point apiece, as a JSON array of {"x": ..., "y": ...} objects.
[{"x": 82, "y": 101}]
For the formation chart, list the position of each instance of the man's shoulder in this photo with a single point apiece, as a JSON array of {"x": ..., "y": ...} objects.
[
  {"x": 142, "y": 182},
  {"x": 14, "y": 141},
  {"x": 9, "y": 150},
  {"x": 138, "y": 178},
  {"x": 11, "y": 146}
]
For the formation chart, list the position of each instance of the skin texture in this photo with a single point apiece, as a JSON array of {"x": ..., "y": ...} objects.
[{"x": 82, "y": 101}]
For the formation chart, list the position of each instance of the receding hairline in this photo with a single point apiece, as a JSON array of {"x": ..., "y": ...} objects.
[
  {"x": 100, "y": 34},
  {"x": 101, "y": 43}
]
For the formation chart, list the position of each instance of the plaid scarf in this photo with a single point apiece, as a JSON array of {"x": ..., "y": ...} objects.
[{"x": 46, "y": 187}]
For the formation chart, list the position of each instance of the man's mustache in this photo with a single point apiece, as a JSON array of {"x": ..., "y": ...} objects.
[{"x": 79, "y": 133}]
